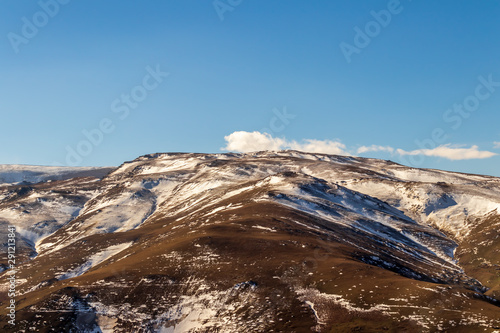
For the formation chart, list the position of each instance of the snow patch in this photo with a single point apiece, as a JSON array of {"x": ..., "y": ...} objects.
[{"x": 94, "y": 260}]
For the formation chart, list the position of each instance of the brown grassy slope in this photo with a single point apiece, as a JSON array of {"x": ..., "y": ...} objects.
[{"x": 285, "y": 265}]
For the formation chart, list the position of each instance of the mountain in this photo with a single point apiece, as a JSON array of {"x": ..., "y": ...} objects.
[
  {"x": 261, "y": 242},
  {"x": 15, "y": 174}
]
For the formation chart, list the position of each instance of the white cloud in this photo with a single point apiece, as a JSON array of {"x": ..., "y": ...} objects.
[
  {"x": 244, "y": 142},
  {"x": 320, "y": 146},
  {"x": 365, "y": 149},
  {"x": 451, "y": 152},
  {"x": 496, "y": 144}
]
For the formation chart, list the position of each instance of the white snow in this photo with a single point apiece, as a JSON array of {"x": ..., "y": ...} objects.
[
  {"x": 263, "y": 228},
  {"x": 13, "y": 173},
  {"x": 94, "y": 260},
  {"x": 311, "y": 305},
  {"x": 429, "y": 204}
]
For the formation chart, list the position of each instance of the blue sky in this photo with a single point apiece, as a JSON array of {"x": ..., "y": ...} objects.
[{"x": 235, "y": 66}]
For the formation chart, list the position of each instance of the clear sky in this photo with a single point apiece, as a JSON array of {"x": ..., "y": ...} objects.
[{"x": 100, "y": 82}]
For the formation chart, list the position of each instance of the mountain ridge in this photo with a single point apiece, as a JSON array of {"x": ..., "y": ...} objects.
[{"x": 422, "y": 229}]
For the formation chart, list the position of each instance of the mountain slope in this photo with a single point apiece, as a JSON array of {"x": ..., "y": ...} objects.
[
  {"x": 14, "y": 174},
  {"x": 270, "y": 241}
]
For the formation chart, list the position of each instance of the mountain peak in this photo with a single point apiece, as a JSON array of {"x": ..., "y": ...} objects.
[{"x": 217, "y": 241}]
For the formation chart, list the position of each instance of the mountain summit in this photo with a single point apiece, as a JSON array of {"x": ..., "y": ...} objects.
[{"x": 260, "y": 242}]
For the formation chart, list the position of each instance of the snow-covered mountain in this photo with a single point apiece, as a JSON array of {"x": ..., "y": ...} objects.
[
  {"x": 15, "y": 174},
  {"x": 269, "y": 241}
]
